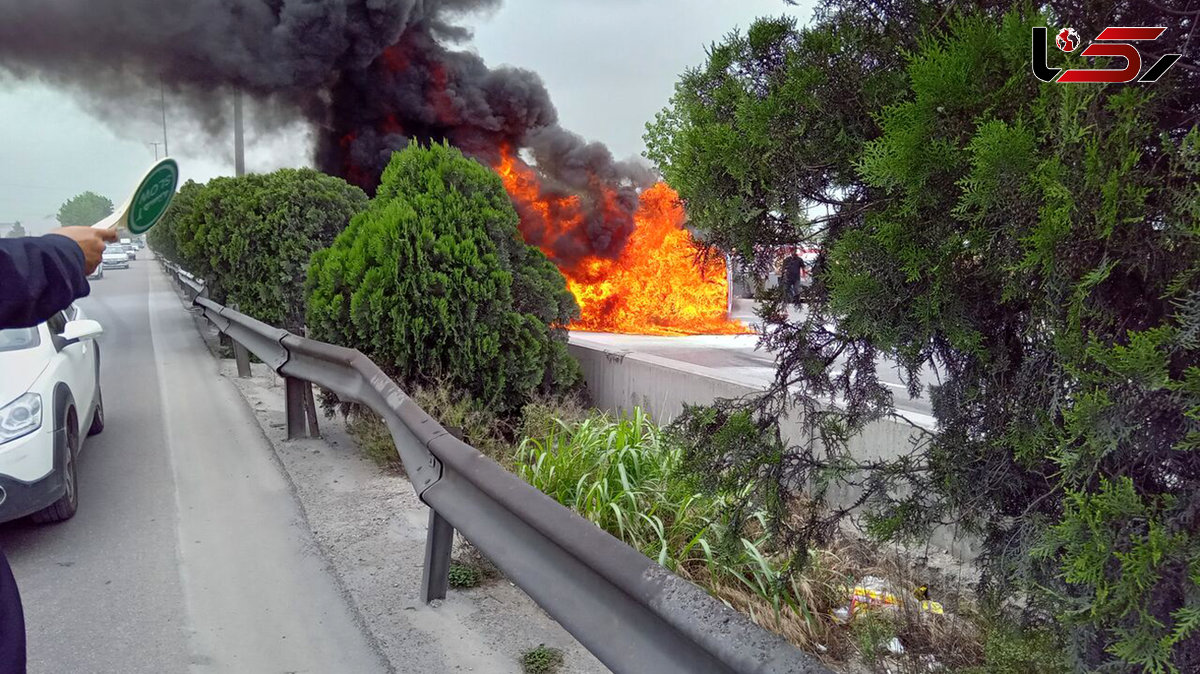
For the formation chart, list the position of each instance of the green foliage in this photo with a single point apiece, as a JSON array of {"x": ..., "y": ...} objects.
[
  {"x": 434, "y": 283},
  {"x": 251, "y": 237},
  {"x": 1035, "y": 243},
  {"x": 543, "y": 415},
  {"x": 1114, "y": 549},
  {"x": 464, "y": 577},
  {"x": 374, "y": 439},
  {"x": 620, "y": 475},
  {"x": 17, "y": 231},
  {"x": 542, "y": 660},
  {"x": 628, "y": 476},
  {"x": 84, "y": 210},
  {"x": 625, "y": 475},
  {"x": 466, "y": 418},
  {"x": 1010, "y": 649},
  {"x": 163, "y": 238},
  {"x": 872, "y": 633}
]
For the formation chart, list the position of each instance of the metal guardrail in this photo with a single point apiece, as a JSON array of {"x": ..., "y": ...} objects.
[{"x": 630, "y": 612}]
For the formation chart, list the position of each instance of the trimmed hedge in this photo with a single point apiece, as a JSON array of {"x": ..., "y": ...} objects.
[{"x": 251, "y": 237}]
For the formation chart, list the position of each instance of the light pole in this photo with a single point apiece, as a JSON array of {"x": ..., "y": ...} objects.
[
  {"x": 162, "y": 104},
  {"x": 155, "y": 149},
  {"x": 239, "y": 137}
]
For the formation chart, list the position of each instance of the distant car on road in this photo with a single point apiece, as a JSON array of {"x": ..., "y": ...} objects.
[
  {"x": 50, "y": 401},
  {"x": 98, "y": 274},
  {"x": 115, "y": 257}
]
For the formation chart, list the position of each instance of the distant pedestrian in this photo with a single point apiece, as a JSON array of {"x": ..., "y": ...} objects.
[{"x": 793, "y": 269}]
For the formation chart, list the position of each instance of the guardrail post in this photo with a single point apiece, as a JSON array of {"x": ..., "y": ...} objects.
[
  {"x": 294, "y": 405},
  {"x": 310, "y": 403},
  {"x": 241, "y": 355},
  {"x": 439, "y": 542}
]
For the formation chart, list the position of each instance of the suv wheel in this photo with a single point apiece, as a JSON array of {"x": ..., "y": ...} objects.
[{"x": 64, "y": 508}]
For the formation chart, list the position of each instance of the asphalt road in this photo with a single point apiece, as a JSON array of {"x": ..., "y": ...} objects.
[{"x": 189, "y": 552}]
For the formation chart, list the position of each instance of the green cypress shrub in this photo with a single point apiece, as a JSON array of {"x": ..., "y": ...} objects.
[
  {"x": 434, "y": 283},
  {"x": 251, "y": 237},
  {"x": 163, "y": 239}
]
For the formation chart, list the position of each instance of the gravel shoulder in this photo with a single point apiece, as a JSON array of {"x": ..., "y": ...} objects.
[{"x": 370, "y": 526}]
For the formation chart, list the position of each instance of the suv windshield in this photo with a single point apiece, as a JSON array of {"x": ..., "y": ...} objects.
[{"x": 16, "y": 339}]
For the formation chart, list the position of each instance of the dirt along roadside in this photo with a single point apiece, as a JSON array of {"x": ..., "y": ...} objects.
[{"x": 370, "y": 528}]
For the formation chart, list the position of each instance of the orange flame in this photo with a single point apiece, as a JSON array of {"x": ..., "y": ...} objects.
[{"x": 657, "y": 286}]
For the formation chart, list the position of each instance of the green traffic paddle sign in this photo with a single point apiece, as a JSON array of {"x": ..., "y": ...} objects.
[
  {"x": 149, "y": 202},
  {"x": 153, "y": 196}
]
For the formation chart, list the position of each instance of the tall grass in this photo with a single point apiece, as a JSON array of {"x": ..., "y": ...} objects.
[
  {"x": 618, "y": 474},
  {"x": 623, "y": 475}
]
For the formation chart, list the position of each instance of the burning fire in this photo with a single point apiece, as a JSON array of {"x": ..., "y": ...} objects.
[{"x": 657, "y": 286}]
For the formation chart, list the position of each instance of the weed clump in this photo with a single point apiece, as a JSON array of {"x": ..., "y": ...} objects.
[
  {"x": 465, "y": 577},
  {"x": 542, "y": 660}
]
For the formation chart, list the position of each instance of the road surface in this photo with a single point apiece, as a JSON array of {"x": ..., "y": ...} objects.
[{"x": 189, "y": 552}]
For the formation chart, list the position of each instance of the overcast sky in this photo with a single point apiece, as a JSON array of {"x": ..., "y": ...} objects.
[{"x": 609, "y": 66}]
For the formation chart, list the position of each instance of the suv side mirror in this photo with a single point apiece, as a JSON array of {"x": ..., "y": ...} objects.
[{"x": 77, "y": 331}]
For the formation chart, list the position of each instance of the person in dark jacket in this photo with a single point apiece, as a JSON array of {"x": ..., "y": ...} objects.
[
  {"x": 42, "y": 275},
  {"x": 793, "y": 268},
  {"x": 39, "y": 276}
]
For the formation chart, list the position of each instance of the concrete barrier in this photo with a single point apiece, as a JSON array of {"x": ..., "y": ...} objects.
[{"x": 620, "y": 379}]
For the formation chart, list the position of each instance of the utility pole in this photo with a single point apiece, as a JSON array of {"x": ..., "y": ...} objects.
[
  {"x": 162, "y": 103},
  {"x": 155, "y": 149},
  {"x": 239, "y": 138}
]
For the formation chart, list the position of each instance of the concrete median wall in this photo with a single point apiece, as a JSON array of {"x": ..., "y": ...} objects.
[{"x": 619, "y": 380}]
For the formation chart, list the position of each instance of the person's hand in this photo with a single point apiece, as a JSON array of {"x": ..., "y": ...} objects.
[{"x": 91, "y": 240}]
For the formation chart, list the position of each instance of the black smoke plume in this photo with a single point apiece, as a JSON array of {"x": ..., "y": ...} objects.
[{"x": 367, "y": 75}]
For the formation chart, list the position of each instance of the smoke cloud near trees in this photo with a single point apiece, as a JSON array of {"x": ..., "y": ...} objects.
[{"x": 367, "y": 76}]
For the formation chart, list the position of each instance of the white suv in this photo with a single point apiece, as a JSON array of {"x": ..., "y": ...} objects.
[{"x": 49, "y": 399}]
